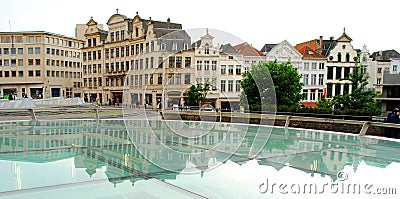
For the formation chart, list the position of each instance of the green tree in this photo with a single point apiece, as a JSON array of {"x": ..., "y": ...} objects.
[
  {"x": 270, "y": 83},
  {"x": 197, "y": 93},
  {"x": 360, "y": 99}
]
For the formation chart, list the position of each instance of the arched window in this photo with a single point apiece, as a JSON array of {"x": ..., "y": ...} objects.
[{"x": 206, "y": 49}]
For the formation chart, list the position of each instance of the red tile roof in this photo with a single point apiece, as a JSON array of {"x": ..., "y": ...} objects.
[
  {"x": 307, "y": 52},
  {"x": 248, "y": 50},
  {"x": 311, "y": 44}
]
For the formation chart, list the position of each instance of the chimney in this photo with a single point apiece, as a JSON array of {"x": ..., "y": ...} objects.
[
  {"x": 321, "y": 44},
  {"x": 331, "y": 38}
]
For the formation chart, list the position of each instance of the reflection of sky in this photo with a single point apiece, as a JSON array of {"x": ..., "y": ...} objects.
[
  {"x": 43, "y": 174},
  {"x": 229, "y": 180},
  {"x": 243, "y": 181}
]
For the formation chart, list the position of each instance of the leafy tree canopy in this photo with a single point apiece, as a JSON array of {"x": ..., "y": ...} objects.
[{"x": 267, "y": 82}]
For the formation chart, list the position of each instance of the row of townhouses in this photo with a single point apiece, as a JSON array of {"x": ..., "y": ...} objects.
[{"x": 143, "y": 61}]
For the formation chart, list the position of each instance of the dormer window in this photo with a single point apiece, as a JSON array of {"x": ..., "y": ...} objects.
[
  {"x": 174, "y": 46},
  {"x": 163, "y": 46},
  {"x": 310, "y": 52},
  {"x": 112, "y": 37},
  {"x": 206, "y": 49}
]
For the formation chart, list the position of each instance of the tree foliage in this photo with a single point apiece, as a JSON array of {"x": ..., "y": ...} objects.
[
  {"x": 197, "y": 93},
  {"x": 270, "y": 83},
  {"x": 360, "y": 98}
]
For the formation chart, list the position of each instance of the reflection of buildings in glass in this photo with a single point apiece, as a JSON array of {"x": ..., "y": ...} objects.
[{"x": 130, "y": 153}]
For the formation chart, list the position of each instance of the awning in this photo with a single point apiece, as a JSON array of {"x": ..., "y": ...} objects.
[{"x": 309, "y": 104}]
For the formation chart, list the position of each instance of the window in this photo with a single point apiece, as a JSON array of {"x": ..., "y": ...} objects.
[
  {"x": 339, "y": 59},
  {"x": 37, "y": 62},
  {"x": 206, "y": 65},
  {"x": 6, "y": 51},
  {"x": 6, "y": 73},
  {"x": 346, "y": 88},
  {"x": 13, "y": 62},
  {"x": 378, "y": 81},
  {"x": 199, "y": 65},
  {"x": 30, "y": 73},
  {"x": 171, "y": 62},
  {"x": 330, "y": 72},
  {"x": 117, "y": 36},
  {"x": 20, "y": 51},
  {"x": 238, "y": 70},
  {"x": 188, "y": 61},
  {"x": 338, "y": 72},
  {"x": 237, "y": 85},
  {"x": 313, "y": 79},
  {"x": 13, "y": 51},
  {"x": 122, "y": 34},
  {"x": 329, "y": 90},
  {"x": 30, "y": 51},
  {"x": 159, "y": 78},
  {"x": 338, "y": 88},
  {"x": 13, "y": 73},
  {"x": 347, "y": 57},
  {"x": 379, "y": 70},
  {"x": 31, "y": 39},
  {"x": 312, "y": 95},
  {"x": 346, "y": 72},
  {"x": 314, "y": 66},
  {"x": 321, "y": 79},
  {"x": 160, "y": 62},
  {"x": 306, "y": 66},
  {"x": 6, "y": 62},
  {"x": 214, "y": 83},
  {"x": 230, "y": 85},
  {"x": 223, "y": 69},
  {"x": 178, "y": 62},
  {"x": 20, "y": 73},
  {"x": 206, "y": 49},
  {"x": 214, "y": 65},
  {"x": 321, "y": 66},
  {"x": 20, "y": 62},
  {"x": 364, "y": 58},
  {"x": 178, "y": 78},
  {"x": 151, "y": 81},
  {"x": 223, "y": 82},
  {"x": 187, "y": 78},
  {"x": 230, "y": 69},
  {"x": 394, "y": 68},
  {"x": 305, "y": 79},
  {"x": 112, "y": 37}
]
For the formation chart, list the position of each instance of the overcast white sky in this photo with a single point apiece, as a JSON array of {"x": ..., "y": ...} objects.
[{"x": 374, "y": 23}]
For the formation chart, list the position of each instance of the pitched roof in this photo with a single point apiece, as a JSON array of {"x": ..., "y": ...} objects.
[
  {"x": 385, "y": 55},
  {"x": 313, "y": 44},
  {"x": 307, "y": 52},
  {"x": 344, "y": 37},
  {"x": 228, "y": 48},
  {"x": 327, "y": 46},
  {"x": 247, "y": 50},
  {"x": 267, "y": 47}
]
